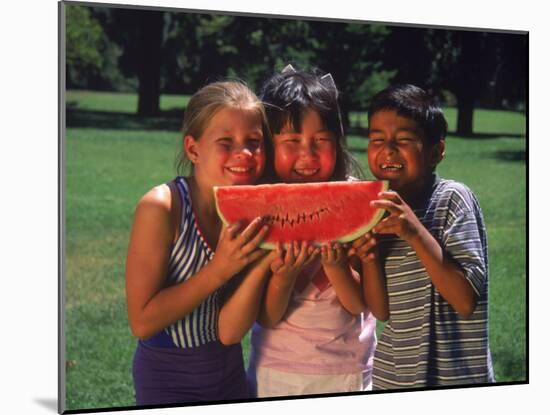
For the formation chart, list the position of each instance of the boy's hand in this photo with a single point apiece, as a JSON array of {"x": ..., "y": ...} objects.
[
  {"x": 402, "y": 221},
  {"x": 332, "y": 255},
  {"x": 291, "y": 261},
  {"x": 365, "y": 248}
]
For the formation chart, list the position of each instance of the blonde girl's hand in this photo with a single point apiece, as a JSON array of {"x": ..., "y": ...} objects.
[
  {"x": 401, "y": 220},
  {"x": 236, "y": 250},
  {"x": 365, "y": 248},
  {"x": 333, "y": 254},
  {"x": 292, "y": 260}
]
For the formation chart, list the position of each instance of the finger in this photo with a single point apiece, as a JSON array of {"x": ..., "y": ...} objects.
[
  {"x": 390, "y": 221},
  {"x": 302, "y": 253},
  {"x": 251, "y": 230},
  {"x": 370, "y": 243},
  {"x": 327, "y": 252},
  {"x": 391, "y": 195},
  {"x": 332, "y": 251},
  {"x": 296, "y": 248},
  {"x": 254, "y": 256},
  {"x": 338, "y": 252},
  {"x": 386, "y": 205},
  {"x": 311, "y": 255},
  {"x": 276, "y": 266},
  {"x": 289, "y": 256},
  {"x": 279, "y": 261},
  {"x": 273, "y": 255},
  {"x": 369, "y": 256},
  {"x": 387, "y": 228},
  {"x": 265, "y": 256},
  {"x": 230, "y": 230},
  {"x": 257, "y": 240},
  {"x": 366, "y": 249},
  {"x": 358, "y": 242},
  {"x": 280, "y": 251}
]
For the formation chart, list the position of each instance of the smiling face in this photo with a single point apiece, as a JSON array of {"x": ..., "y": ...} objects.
[
  {"x": 305, "y": 156},
  {"x": 397, "y": 152},
  {"x": 230, "y": 151}
]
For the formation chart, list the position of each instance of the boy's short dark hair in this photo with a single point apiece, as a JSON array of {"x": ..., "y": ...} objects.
[{"x": 412, "y": 102}]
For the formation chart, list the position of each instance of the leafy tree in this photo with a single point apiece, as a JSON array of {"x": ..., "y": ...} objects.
[
  {"x": 353, "y": 52},
  {"x": 179, "y": 52},
  {"x": 477, "y": 67},
  {"x": 84, "y": 40},
  {"x": 136, "y": 38}
]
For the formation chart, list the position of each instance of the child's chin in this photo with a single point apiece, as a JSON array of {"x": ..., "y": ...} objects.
[
  {"x": 243, "y": 182},
  {"x": 394, "y": 184}
]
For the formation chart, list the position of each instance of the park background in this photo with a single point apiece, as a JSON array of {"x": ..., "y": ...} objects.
[{"x": 128, "y": 76}]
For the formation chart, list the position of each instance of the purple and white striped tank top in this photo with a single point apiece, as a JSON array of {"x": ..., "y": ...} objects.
[{"x": 189, "y": 254}]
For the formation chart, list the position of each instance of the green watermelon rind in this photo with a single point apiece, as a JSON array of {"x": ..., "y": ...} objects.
[
  {"x": 220, "y": 214},
  {"x": 344, "y": 239}
]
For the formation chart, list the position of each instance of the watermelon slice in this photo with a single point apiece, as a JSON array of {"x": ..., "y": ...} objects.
[{"x": 314, "y": 212}]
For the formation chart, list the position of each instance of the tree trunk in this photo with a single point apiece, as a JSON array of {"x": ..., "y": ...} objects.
[
  {"x": 149, "y": 63},
  {"x": 465, "y": 116}
]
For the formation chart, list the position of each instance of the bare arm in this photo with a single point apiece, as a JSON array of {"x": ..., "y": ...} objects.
[
  {"x": 373, "y": 281},
  {"x": 339, "y": 273},
  {"x": 375, "y": 292},
  {"x": 446, "y": 275},
  {"x": 241, "y": 308},
  {"x": 151, "y": 306},
  {"x": 276, "y": 299},
  {"x": 285, "y": 269}
]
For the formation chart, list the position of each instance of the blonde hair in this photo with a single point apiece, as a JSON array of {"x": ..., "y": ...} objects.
[{"x": 210, "y": 99}]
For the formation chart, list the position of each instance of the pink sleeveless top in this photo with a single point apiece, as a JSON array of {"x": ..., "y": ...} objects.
[{"x": 317, "y": 335}]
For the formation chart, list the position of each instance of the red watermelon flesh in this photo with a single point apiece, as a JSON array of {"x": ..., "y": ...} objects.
[{"x": 314, "y": 212}]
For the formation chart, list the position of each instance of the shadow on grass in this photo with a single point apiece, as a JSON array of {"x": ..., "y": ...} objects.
[
  {"x": 508, "y": 367},
  {"x": 364, "y": 132},
  {"x": 487, "y": 136},
  {"x": 358, "y": 150},
  {"x": 506, "y": 155},
  {"x": 166, "y": 120}
]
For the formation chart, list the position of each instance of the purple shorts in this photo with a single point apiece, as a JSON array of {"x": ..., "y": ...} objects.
[{"x": 172, "y": 375}]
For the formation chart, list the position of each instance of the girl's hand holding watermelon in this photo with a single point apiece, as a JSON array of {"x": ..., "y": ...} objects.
[
  {"x": 333, "y": 255},
  {"x": 338, "y": 271},
  {"x": 237, "y": 250},
  {"x": 285, "y": 268},
  {"x": 290, "y": 262}
]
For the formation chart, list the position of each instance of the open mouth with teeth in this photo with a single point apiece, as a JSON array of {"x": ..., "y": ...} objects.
[
  {"x": 239, "y": 169},
  {"x": 391, "y": 167},
  {"x": 306, "y": 172}
]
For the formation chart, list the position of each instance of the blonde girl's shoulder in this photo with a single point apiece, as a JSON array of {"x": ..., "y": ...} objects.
[
  {"x": 160, "y": 204},
  {"x": 158, "y": 197}
]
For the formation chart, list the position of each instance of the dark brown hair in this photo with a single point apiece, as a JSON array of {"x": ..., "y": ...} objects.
[{"x": 287, "y": 96}]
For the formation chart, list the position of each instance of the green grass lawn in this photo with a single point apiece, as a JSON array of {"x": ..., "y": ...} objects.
[{"x": 109, "y": 169}]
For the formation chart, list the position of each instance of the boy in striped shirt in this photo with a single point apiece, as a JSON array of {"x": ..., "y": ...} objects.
[{"x": 425, "y": 266}]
